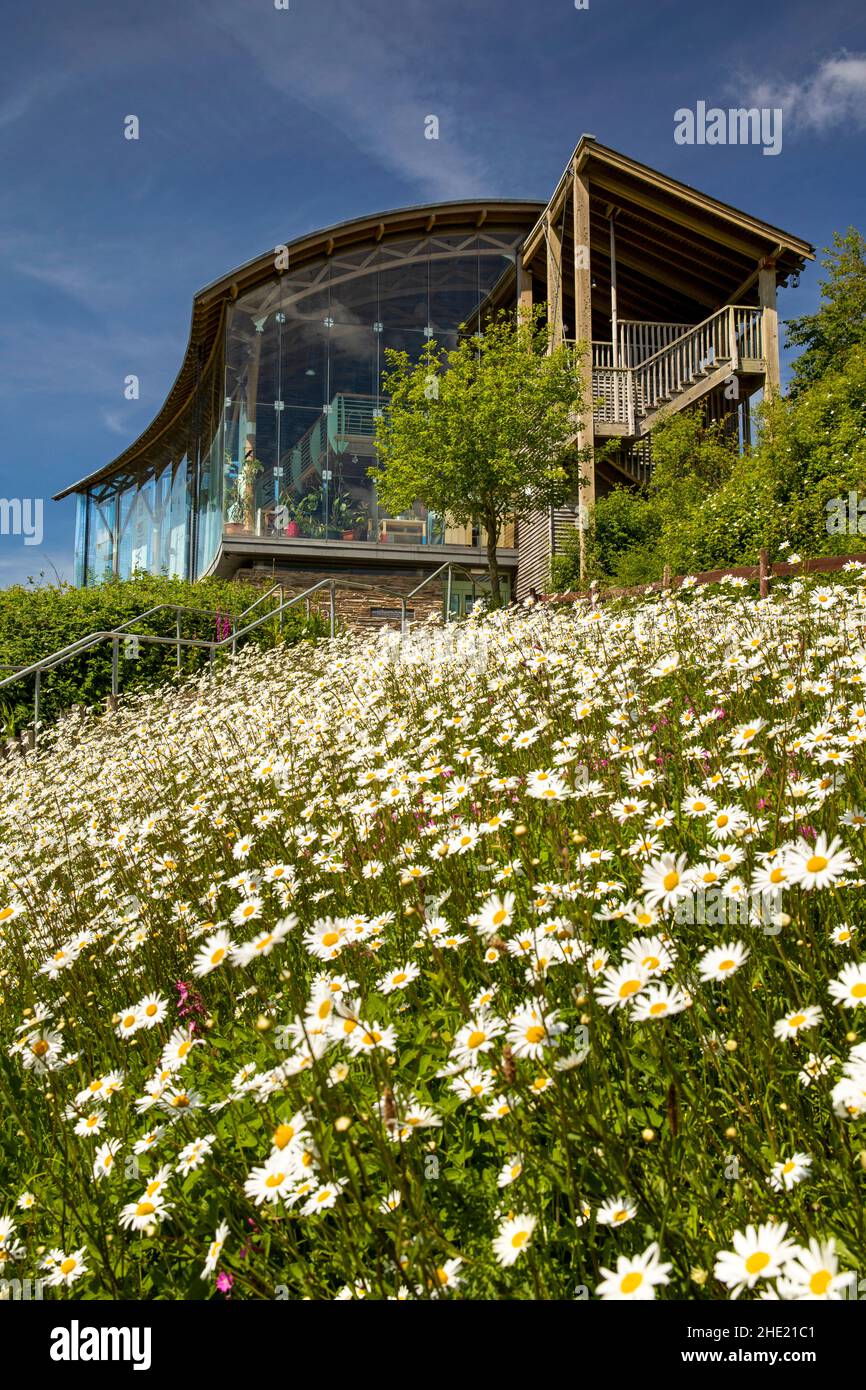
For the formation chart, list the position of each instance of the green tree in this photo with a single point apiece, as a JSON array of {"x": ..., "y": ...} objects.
[
  {"x": 484, "y": 433},
  {"x": 840, "y": 323}
]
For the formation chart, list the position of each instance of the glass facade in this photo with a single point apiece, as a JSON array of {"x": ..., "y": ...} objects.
[{"x": 278, "y": 437}]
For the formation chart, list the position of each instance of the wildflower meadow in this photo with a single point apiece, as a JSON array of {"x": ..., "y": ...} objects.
[{"x": 519, "y": 958}]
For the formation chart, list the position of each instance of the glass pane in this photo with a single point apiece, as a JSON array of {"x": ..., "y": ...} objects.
[{"x": 102, "y": 516}]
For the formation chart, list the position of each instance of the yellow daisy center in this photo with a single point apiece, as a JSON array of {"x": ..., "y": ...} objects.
[{"x": 629, "y": 987}]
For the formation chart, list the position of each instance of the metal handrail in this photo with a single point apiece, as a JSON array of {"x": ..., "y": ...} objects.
[
  {"x": 274, "y": 589},
  {"x": 56, "y": 658},
  {"x": 448, "y": 565},
  {"x": 330, "y": 583},
  {"x": 114, "y": 636},
  {"x": 179, "y": 608}
]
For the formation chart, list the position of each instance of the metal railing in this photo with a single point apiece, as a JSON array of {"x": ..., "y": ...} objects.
[
  {"x": 449, "y": 565},
  {"x": 38, "y": 669}
]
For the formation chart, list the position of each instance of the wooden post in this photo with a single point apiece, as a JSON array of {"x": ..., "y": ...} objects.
[
  {"x": 583, "y": 334},
  {"x": 767, "y": 295},
  {"x": 764, "y": 573},
  {"x": 554, "y": 280},
  {"x": 733, "y": 347},
  {"x": 666, "y": 577},
  {"x": 614, "y": 318},
  {"x": 524, "y": 288}
]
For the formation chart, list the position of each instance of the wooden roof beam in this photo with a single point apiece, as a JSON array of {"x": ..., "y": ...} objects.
[
  {"x": 644, "y": 243},
  {"x": 651, "y": 269},
  {"x": 648, "y": 302},
  {"x": 672, "y": 212},
  {"x": 605, "y": 159},
  {"x": 648, "y": 232}
]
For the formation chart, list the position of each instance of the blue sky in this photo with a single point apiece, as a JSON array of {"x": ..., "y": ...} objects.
[{"x": 258, "y": 124}]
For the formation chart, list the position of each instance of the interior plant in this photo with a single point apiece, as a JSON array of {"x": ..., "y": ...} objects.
[
  {"x": 241, "y": 509},
  {"x": 345, "y": 512}
]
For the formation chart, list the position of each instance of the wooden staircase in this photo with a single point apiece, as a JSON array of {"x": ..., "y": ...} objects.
[{"x": 627, "y": 400}]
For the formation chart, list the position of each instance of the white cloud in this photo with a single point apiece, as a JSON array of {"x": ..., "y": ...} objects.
[
  {"x": 832, "y": 97},
  {"x": 115, "y": 421},
  {"x": 35, "y": 92},
  {"x": 371, "y": 78}
]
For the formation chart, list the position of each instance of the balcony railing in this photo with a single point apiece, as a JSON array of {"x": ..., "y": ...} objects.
[
  {"x": 660, "y": 361},
  {"x": 613, "y": 395}
]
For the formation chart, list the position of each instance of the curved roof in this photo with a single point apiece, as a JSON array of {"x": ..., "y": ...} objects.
[{"x": 209, "y": 304}]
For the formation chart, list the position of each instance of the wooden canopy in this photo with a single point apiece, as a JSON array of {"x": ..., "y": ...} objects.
[{"x": 679, "y": 253}]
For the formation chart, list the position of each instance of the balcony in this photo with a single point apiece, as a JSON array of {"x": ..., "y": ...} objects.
[{"x": 670, "y": 364}]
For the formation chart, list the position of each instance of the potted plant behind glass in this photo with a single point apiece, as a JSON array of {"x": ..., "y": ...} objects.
[
  {"x": 247, "y": 475},
  {"x": 289, "y": 514},
  {"x": 240, "y": 517},
  {"x": 346, "y": 516},
  {"x": 233, "y": 524}
]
